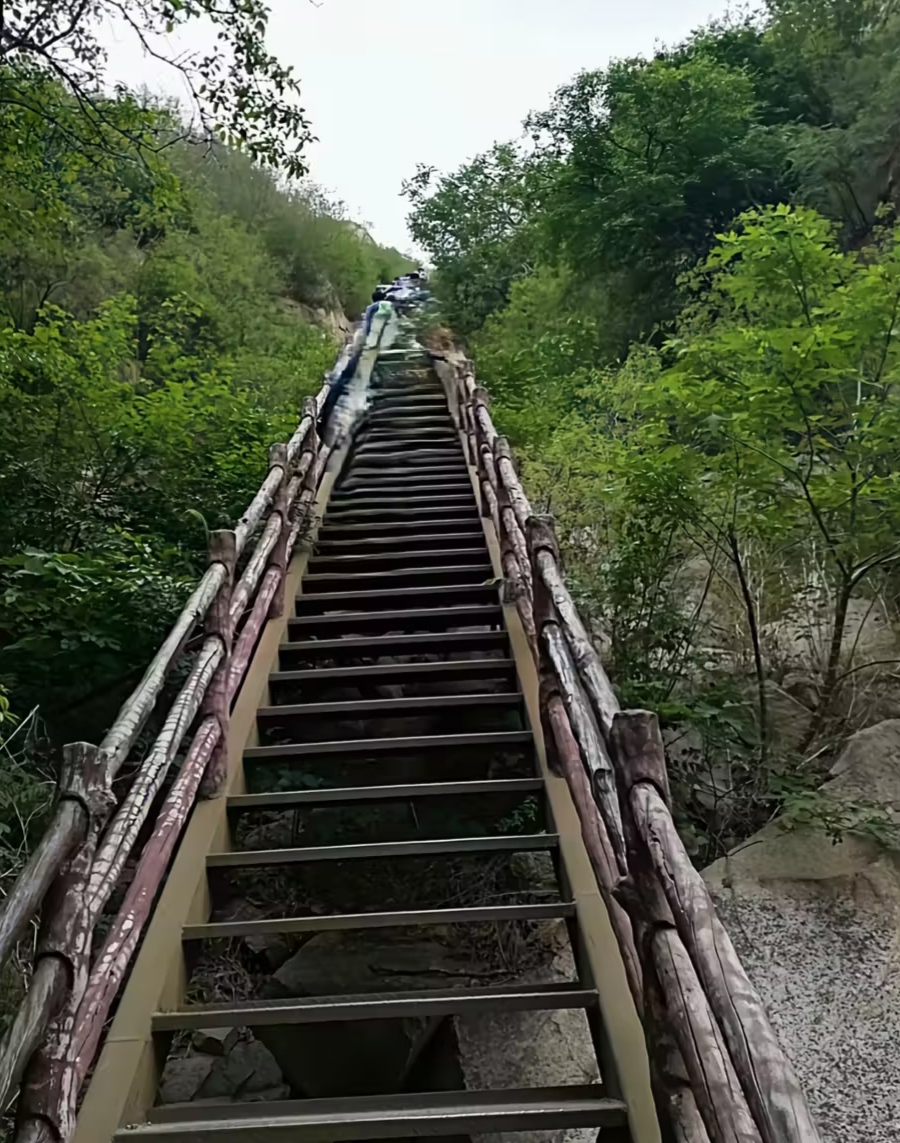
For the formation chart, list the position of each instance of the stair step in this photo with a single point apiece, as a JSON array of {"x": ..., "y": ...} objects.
[
  {"x": 378, "y": 645},
  {"x": 374, "y": 600},
  {"x": 383, "y": 477},
  {"x": 359, "y": 795},
  {"x": 398, "y": 530},
  {"x": 496, "y": 739},
  {"x": 417, "y": 508},
  {"x": 454, "y": 574},
  {"x": 430, "y": 618},
  {"x": 352, "y": 922},
  {"x": 375, "y": 850},
  {"x": 398, "y": 672},
  {"x": 389, "y": 707},
  {"x": 411, "y": 476},
  {"x": 384, "y": 561},
  {"x": 425, "y": 537},
  {"x": 406, "y": 1116},
  {"x": 385, "y": 1006}
]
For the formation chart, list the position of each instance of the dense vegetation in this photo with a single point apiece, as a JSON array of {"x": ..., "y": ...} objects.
[
  {"x": 682, "y": 286},
  {"x": 163, "y": 306}
]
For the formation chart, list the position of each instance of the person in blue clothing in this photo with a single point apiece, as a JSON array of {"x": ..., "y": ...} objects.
[{"x": 347, "y": 396}]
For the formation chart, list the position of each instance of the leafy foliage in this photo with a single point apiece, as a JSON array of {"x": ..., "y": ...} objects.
[
  {"x": 239, "y": 90},
  {"x": 155, "y": 338},
  {"x": 688, "y": 321}
]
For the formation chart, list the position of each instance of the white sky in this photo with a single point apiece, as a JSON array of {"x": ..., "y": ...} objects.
[{"x": 390, "y": 85}]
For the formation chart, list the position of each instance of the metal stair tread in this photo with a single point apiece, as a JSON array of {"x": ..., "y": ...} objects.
[
  {"x": 391, "y": 706},
  {"x": 377, "y": 1006},
  {"x": 489, "y": 612},
  {"x": 386, "y": 745},
  {"x": 345, "y": 922},
  {"x": 395, "y": 670},
  {"x": 354, "y": 1119},
  {"x": 386, "y": 643},
  {"x": 360, "y": 794}
]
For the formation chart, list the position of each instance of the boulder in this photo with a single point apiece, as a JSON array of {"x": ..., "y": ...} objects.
[
  {"x": 817, "y": 926},
  {"x": 531, "y": 1049},
  {"x": 363, "y": 1057},
  {"x": 183, "y": 1077},
  {"x": 248, "y": 1069}
]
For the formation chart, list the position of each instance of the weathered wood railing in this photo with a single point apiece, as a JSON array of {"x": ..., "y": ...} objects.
[
  {"x": 51, "y": 1043},
  {"x": 719, "y": 1073}
]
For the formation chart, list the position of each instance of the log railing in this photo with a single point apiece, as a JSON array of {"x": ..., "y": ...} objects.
[
  {"x": 719, "y": 1073},
  {"x": 70, "y": 877}
]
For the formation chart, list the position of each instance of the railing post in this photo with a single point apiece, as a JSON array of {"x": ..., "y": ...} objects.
[
  {"x": 49, "y": 1094},
  {"x": 684, "y": 1038},
  {"x": 222, "y": 550},
  {"x": 281, "y": 508}
]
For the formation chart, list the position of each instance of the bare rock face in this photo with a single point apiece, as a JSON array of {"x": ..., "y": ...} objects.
[
  {"x": 531, "y": 1049},
  {"x": 367, "y": 1057},
  {"x": 818, "y": 927}
]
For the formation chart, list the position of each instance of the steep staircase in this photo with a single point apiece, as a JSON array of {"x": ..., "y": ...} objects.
[{"x": 396, "y": 708}]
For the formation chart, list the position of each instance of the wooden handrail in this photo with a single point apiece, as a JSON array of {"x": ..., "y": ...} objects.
[
  {"x": 704, "y": 1021},
  {"x": 79, "y": 860}
]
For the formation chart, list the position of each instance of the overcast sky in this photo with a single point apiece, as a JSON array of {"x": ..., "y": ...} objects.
[{"x": 390, "y": 85}]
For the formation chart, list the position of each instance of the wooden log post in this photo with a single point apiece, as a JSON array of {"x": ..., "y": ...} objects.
[
  {"x": 514, "y": 537},
  {"x": 481, "y": 404},
  {"x": 124, "y": 935},
  {"x": 222, "y": 550},
  {"x": 545, "y": 557},
  {"x": 281, "y": 510},
  {"x": 680, "y": 1008},
  {"x": 310, "y": 467},
  {"x": 565, "y": 759},
  {"x": 47, "y": 1103},
  {"x": 768, "y": 1080},
  {"x": 593, "y": 748},
  {"x": 506, "y": 471}
]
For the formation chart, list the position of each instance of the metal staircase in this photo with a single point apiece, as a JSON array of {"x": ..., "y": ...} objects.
[{"x": 399, "y": 634}]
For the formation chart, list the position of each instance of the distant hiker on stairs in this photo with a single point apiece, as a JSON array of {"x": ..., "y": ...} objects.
[{"x": 348, "y": 397}]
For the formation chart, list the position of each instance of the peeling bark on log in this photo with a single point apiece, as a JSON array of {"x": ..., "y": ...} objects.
[
  {"x": 489, "y": 502},
  {"x": 513, "y": 574},
  {"x": 124, "y": 936},
  {"x": 517, "y": 542},
  {"x": 282, "y": 512},
  {"x": 243, "y": 649},
  {"x": 513, "y": 538},
  {"x": 131, "y": 718},
  {"x": 545, "y": 555},
  {"x": 63, "y": 835},
  {"x": 248, "y": 523},
  {"x": 126, "y": 824},
  {"x": 481, "y": 406},
  {"x": 668, "y": 967},
  {"x": 49, "y": 1094},
  {"x": 254, "y": 569},
  {"x": 46, "y": 994},
  {"x": 717, "y": 1090},
  {"x": 767, "y": 1077},
  {"x": 222, "y": 550},
  {"x": 593, "y": 832},
  {"x": 506, "y": 470},
  {"x": 593, "y": 749}
]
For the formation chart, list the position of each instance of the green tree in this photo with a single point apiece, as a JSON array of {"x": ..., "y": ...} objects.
[
  {"x": 478, "y": 226},
  {"x": 239, "y": 90}
]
